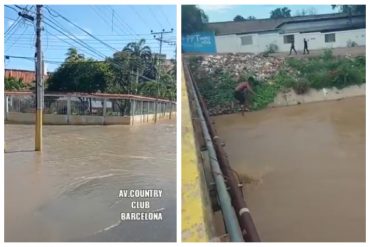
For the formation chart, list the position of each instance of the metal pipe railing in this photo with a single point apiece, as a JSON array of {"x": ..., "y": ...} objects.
[
  {"x": 231, "y": 221},
  {"x": 246, "y": 223}
]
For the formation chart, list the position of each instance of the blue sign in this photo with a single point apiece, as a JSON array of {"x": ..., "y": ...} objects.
[{"x": 199, "y": 43}]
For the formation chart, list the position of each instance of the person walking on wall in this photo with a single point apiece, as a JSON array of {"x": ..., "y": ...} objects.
[
  {"x": 292, "y": 48},
  {"x": 305, "y": 47}
]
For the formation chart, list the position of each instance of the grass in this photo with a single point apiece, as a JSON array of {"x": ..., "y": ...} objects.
[{"x": 328, "y": 71}]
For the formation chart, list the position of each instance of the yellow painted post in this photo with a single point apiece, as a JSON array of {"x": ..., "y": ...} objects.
[{"x": 38, "y": 132}]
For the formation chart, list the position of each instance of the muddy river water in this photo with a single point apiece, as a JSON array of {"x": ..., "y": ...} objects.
[
  {"x": 70, "y": 192},
  {"x": 305, "y": 166}
]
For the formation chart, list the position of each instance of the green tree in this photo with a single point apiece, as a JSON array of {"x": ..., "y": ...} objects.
[
  {"x": 251, "y": 17},
  {"x": 119, "y": 65},
  {"x": 14, "y": 84},
  {"x": 193, "y": 19},
  {"x": 140, "y": 57},
  {"x": 351, "y": 9},
  {"x": 307, "y": 11},
  {"x": 280, "y": 13},
  {"x": 78, "y": 74},
  {"x": 73, "y": 55},
  {"x": 239, "y": 18}
]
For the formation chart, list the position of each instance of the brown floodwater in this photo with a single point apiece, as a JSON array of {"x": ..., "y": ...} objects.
[
  {"x": 305, "y": 167},
  {"x": 70, "y": 191}
]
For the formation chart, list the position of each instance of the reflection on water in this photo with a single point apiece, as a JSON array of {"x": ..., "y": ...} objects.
[
  {"x": 70, "y": 191},
  {"x": 306, "y": 169}
]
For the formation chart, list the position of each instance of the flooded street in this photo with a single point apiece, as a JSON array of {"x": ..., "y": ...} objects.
[
  {"x": 70, "y": 191},
  {"x": 305, "y": 167}
]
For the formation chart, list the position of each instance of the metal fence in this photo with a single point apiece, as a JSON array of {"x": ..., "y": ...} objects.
[{"x": 75, "y": 104}]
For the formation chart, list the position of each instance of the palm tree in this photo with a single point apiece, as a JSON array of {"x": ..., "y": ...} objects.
[
  {"x": 73, "y": 55},
  {"x": 140, "y": 56}
]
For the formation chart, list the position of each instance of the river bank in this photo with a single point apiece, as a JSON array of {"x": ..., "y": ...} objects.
[
  {"x": 277, "y": 81},
  {"x": 290, "y": 97}
]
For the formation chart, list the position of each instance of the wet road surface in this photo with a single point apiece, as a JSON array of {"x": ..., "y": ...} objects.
[
  {"x": 306, "y": 169},
  {"x": 70, "y": 191}
]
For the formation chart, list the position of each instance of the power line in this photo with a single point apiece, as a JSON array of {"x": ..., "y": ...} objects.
[
  {"x": 101, "y": 16},
  {"x": 15, "y": 41},
  {"x": 164, "y": 14},
  {"x": 56, "y": 26},
  {"x": 92, "y": 42},
  {"x": 70, "y": 44},
  {"x": 111, "y": 41},
  {"x": 25, "y": 18},
  {"x": 13, "y": 31},
  {"x": 60, "y": 62},
  {"x": 140, "y": 17},
  {"x": 15, "y": 21},
  {"x": 10, "y": 7},
  {"x": 113, "y": 35},
  {"x": 80, "y": 28},
  {"x": 155, "y": 17},
  {"x": 118, "y": 17},
  {"x": 75, "y": 39}
]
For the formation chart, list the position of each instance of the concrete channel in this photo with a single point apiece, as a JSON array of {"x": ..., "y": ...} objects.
[{"x": 297, "y": 163}]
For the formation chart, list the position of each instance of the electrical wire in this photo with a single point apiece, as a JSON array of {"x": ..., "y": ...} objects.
[
  {"x": 80, "y": 28},
  {"x": 155, "y": 17},
  {"x": 164, "y": 14},
  {"x": 61, "y": 30}
]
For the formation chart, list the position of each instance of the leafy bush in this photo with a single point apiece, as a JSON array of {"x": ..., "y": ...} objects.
[
  {"x": 194, "y": 61},
  {"x": 345, "y": 75},
  {"x": 14, "y": 84},
  {"x": 351, "y": 43},
  {"x": 217, "y": 91},
  {"x": 329, "y": 71},
  {"x": 327, "y": 55},
  {"x": 271, "y": 48},
  {"x": 265, "y": 94},
  {"x": 301, "y": 86}
]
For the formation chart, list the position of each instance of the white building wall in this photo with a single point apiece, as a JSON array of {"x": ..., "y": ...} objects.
[
  {"x": 227, "y": 43},
  {"x": 316, "y": 41}
]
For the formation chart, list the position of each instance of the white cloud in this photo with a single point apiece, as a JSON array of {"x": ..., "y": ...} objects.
[{"x": 215, "y": 8}]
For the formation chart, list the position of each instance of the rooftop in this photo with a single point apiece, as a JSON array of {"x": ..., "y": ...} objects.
[{"x": 268, "y": 25}]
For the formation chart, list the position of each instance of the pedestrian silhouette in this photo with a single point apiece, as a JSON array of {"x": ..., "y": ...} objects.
[
  {"x": 292, "y": 48},
  {"x": 305, "y": 47}
]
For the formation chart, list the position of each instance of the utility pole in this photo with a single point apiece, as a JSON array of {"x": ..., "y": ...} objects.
[
  {"x": 39, "y": 82},
  {"x": 160, "y": 39}
]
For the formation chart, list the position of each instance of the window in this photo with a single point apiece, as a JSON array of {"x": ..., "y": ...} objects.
[
  {"x": 288, "y": 39},
  {"x": 330, "y": 38},
  {"x": 246, "y": 40}
]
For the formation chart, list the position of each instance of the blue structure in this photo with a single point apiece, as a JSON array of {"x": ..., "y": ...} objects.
[{"x": 199, "y": 43}]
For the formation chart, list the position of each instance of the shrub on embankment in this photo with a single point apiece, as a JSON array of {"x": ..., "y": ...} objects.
[
  {"x": 328, "y": 71},
  {"x": 217, "y": 82}
]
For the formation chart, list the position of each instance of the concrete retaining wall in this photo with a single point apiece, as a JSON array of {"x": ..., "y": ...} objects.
[{"x": 313, "y": 95}]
